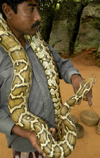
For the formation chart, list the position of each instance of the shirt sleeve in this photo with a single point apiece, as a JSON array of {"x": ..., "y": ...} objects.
[
  {"x": 6, "y": 123},
  {"x": 65, "y": 67}
]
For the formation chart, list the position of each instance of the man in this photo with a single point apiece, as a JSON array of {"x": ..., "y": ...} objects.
[{"x": 22, "y": 18}]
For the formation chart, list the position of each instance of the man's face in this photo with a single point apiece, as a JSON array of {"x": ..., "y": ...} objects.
[{"x": 24, "y": 21}]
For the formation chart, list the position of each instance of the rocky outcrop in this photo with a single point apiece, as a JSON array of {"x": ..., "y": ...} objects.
[
  {"x": 64, "y": 28},
  {"x": 98, "y": 52},
  {"x": 98, "y": 57},
  {"x": 59, "y": 38},
  {"x": 73, "y": 28},
  {"x": 89, "y": 31}
]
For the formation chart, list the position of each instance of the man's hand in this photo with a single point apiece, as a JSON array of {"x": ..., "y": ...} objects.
[
  {"x": 53, "y": 130},
  {"x": 31, "y": 137},
  {"x": 28, "y": 135},
  {"x": 76, "y": 80}
]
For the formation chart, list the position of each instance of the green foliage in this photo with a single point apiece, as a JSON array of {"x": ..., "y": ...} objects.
[{"x": 53, "y": 3}]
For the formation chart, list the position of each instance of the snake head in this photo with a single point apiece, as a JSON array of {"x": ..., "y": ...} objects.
[{"x": 85, "y": 86}]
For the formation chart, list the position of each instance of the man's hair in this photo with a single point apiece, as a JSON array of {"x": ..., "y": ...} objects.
[{"x": 12, "y": 3}]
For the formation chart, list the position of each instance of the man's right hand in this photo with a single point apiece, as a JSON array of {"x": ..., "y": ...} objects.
[
  {"x": 33, "y": 139},
  {"x": 28, "y": 135}
]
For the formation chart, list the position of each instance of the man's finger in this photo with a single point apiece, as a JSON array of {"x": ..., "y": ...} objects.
[
  {"x": 52, "y": 130},
  {"x": 37, "y": 147},
  {"x": 78, "y": 103},
  {"x": 89, "y": 100}
]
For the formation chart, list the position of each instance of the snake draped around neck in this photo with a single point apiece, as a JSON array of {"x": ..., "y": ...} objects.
[{"x": 20, "y": 89}]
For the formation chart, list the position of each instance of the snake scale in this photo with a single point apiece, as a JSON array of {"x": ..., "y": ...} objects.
[{"x": 20, "y": 89}]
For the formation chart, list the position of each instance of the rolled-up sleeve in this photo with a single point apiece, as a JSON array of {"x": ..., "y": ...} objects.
[{"x": 65, "y": 67}]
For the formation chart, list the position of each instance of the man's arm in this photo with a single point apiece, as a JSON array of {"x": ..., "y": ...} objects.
[
  {"x": 28, "y": 135},
  {"x": 70, "y": 74},
  {"x": 65, "y": 67}
]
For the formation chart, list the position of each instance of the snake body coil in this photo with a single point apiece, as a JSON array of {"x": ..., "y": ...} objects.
[{"x": 20, "y": 89}]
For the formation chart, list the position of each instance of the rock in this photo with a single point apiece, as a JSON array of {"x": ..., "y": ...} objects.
[
  {"x": 89, "y": 31},
  {"x": 98, "y": 57},
  {"x": 73, "y": 28},
  {"x": 74, "y": 119},
  {"x": 98, "y": 52},
  {"x": 63, "y": 28},
  {"x": 98, "y": 62},
  {"x": 59, "y": 39},
  {"x": 90, "y": 118},
  {"x": 80, "y": 130},
  {"x": 98, "y": 128}
]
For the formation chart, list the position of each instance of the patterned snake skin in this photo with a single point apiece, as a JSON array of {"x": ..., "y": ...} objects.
[{"x": 20, "y": 89}]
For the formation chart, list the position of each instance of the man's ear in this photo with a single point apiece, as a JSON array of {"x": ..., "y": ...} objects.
[{"x": 7, "y": 10}]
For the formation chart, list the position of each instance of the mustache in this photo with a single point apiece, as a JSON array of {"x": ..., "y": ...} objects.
[{"x": 36, "y": 24}]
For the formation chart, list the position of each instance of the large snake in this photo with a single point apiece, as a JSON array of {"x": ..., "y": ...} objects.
[{"x": 20, "y": 89}]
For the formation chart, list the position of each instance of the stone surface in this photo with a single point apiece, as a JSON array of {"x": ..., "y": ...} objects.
[
  {"x": 89, "y": 31},
  {"x": 59, "y": 39},
  {"x": 98, "y": 128},
  {"x": 90, "y": 118},
  {"x": 74, "y": 119},
  {"x": 62, "y": 34},
  {"x": 80, "y": 130}
]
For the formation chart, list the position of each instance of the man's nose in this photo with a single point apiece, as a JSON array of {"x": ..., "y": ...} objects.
[{"x": 37, "y": 16}]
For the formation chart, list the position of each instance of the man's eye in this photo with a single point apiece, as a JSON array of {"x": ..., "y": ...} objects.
[{"x": 31, "y": 9}]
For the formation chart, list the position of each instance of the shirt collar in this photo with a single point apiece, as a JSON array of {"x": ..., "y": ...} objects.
[{"x": 27, "y": 45}]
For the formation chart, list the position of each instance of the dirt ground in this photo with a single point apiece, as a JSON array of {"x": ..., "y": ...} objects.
[{"x": 89, "y": 145}]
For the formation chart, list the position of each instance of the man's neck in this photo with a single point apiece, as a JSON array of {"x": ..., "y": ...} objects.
[
  {"x": 18, "y": 35},
  {"x": 22, "y": 41}
]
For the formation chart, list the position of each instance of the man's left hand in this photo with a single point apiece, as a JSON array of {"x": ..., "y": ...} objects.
[{"x": 76, "y": 80}]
